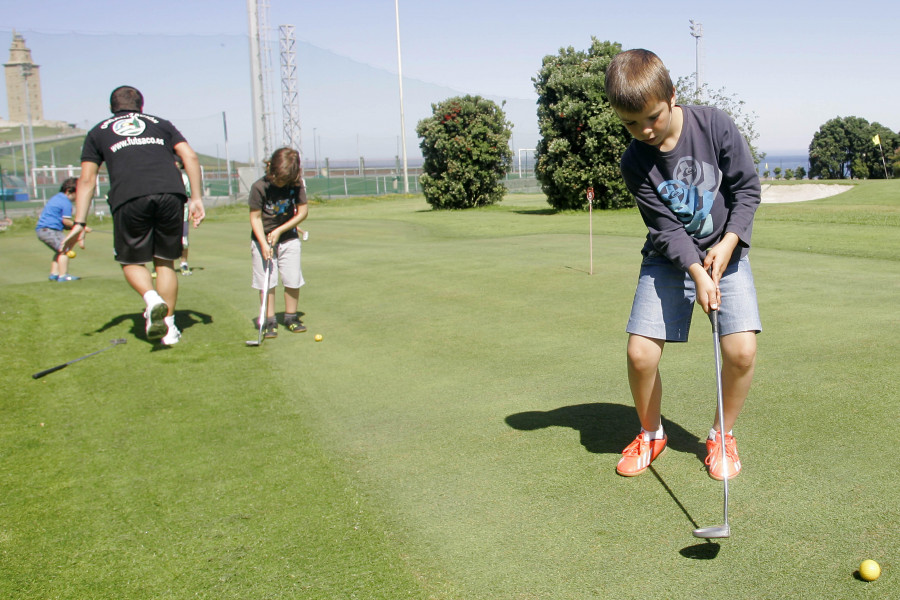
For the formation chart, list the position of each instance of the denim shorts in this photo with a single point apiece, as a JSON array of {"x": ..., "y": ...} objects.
[{"x": 665, "y": 296}]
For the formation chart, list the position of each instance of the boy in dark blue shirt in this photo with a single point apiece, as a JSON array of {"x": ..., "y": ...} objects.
[{"x": 695, "y": 183}]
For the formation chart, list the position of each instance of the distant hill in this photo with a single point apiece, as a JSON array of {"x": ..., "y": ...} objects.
[{"x": 58, "y": 147}]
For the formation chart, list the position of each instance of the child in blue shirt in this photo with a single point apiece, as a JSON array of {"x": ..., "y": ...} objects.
[{"x": 56, "y": 218}]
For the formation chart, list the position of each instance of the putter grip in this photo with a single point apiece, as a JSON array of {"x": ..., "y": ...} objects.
[{"x": 48, "y": 371}]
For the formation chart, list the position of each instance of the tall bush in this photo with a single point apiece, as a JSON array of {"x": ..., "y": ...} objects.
[
  {"x": 582, "y": 139},
  {"x": 465, "y": 144}
]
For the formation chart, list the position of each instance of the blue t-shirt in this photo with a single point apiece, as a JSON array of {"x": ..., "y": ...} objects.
[{"x": 57, "y": 208}]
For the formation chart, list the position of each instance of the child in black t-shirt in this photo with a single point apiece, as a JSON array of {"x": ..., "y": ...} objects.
[{"x": 278, "y": 205}]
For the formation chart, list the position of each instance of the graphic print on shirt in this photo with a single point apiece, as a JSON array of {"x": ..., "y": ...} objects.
[
  {"x": 281, "y": 206},
  {"x": 691, "y": 193},
  {"x": 129, "y": 127}
]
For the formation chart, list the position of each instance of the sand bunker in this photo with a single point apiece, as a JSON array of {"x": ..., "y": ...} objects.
[{"x": 772, "y": 194}]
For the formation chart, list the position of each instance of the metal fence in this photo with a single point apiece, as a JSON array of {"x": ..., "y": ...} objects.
[{"x": 219, "y": 189}]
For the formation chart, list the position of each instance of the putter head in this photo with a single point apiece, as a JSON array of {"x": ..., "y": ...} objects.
[
  {"x": 716, "y": 531},
  {"x": 252, "y": 343}
]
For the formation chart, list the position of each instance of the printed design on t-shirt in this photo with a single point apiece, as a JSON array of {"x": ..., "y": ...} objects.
[
  {"x": 131, "y": 127},
  {"x": 281, "y": 206},
  {"x": 691, "y": 193}
]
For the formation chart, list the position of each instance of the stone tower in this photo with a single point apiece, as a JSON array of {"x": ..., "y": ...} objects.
[{"x": 21, "y": 71}]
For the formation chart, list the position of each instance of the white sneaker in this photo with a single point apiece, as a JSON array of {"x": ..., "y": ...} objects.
[
  {"x": 155, "y": 316},
  {"x": 172, "y": 337}
]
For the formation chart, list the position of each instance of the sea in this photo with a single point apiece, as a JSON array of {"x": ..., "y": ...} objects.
[{"x": 784, "y": 161}]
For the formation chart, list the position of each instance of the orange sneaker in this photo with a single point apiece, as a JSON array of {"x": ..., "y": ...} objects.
[
  {"x": 638, "y": 455},
  {"x": 714, "y": 457}
]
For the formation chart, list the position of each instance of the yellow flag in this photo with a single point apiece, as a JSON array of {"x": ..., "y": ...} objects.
[{"x": 876, "y": 140}]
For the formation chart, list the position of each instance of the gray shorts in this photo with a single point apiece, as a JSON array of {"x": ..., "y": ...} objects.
[
  {"x": 286, "y": 263},
  {"x": 52, "y": 237},
  {"x": 665, "y": 296}
]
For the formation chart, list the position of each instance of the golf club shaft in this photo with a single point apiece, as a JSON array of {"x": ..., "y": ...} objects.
[
  {"x": 40, "y": 374},
  {"x": 264, "y": 301},
  {"x": 263, "y": 304},
  {"x": 721, "y": 407}
]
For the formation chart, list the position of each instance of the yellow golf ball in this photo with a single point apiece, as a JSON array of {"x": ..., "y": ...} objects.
[
  {"x": 71, "y": 254},
  {"x": 318, "y": 337},
  {"x": 869, "y": 570}
]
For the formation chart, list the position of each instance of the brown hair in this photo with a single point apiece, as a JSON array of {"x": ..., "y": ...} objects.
[
  {"x": 69, "y": 185},
  {"x": 283, "y": 169},
  {"x": 635, "y": 78},
  {"x": 126, "y": 97}
]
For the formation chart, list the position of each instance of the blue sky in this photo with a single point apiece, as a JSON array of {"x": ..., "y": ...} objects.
[{"x": 796, "y": 64}]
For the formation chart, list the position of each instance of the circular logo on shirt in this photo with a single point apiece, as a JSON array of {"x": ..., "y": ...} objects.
[
  {"x": 689, "y": 171},
  {"x": 130, "y": 127}
]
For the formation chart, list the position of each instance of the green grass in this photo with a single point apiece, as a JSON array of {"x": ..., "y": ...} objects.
[{"x": 455, "y": 434}]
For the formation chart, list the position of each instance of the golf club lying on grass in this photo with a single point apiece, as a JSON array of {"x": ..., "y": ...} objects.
[
  {"x": 718, "y": 531},
  {"x": 66, "y": 364},
  {"x": 263, "y": 305}
]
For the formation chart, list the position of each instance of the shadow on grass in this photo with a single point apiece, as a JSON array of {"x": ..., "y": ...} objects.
[
  {"x": 184, "y": 319},
  {"x": 537, "y": 211},
  {"x": 707, "y": 550},
  {"x": 606, "y": 429},
  {"x": 279, "y": 316}
]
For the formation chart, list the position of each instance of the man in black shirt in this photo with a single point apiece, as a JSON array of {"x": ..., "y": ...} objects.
[{"x": 146, "y": 198}]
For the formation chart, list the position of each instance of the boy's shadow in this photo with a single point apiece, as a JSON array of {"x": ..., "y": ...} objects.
[
  {"x": 605, "y": 428},
  {"x": 184, "y": 319}
]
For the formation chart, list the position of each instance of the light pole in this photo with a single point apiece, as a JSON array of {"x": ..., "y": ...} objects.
[
  {"x": 316, "y": 151},
  {"x": 697, "y": 33},
  {"x": 402, "y": 119}
]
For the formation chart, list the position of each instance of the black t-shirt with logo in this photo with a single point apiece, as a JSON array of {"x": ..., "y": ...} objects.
[
  {"x": 278, "y": 205},
  {"x": 138, "y": 152}
]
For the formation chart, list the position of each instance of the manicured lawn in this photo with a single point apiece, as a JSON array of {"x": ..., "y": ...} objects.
[{"x": 455, "y": 433}]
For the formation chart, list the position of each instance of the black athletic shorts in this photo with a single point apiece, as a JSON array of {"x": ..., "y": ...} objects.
[{"x": 149, "y": 227}]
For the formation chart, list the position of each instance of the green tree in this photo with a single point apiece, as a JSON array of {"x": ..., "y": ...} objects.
[
  {"x": 844, "y": 148},
  {"x": 465, "y": 144},
  {"x": 799, "y": 173},
  {"x": 687, "y": 93},
  {"x": 788, "y": 174},
  {"x": 582, "y": 139},
  {"x": 777, "y": 172}
]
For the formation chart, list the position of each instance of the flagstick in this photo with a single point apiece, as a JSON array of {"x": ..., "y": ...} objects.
[
  {"x": 877, "y": 141},
  {"x": 590, "y": 198}
]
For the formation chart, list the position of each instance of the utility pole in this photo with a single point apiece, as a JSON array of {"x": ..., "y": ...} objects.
[
  {"x": 697, "y": 34},
  {"x": 290, "y": 105},
  {"x": 227, "y": 159},
  {"x": 402, "y": 118},
  {"x": 258, "y": 156}
]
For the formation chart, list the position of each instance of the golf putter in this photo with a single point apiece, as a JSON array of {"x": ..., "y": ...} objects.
[
  {"x": 112, "y": 344},
  {"x": 724, "y": 530},
  {"x": 264, "y": 304}
]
